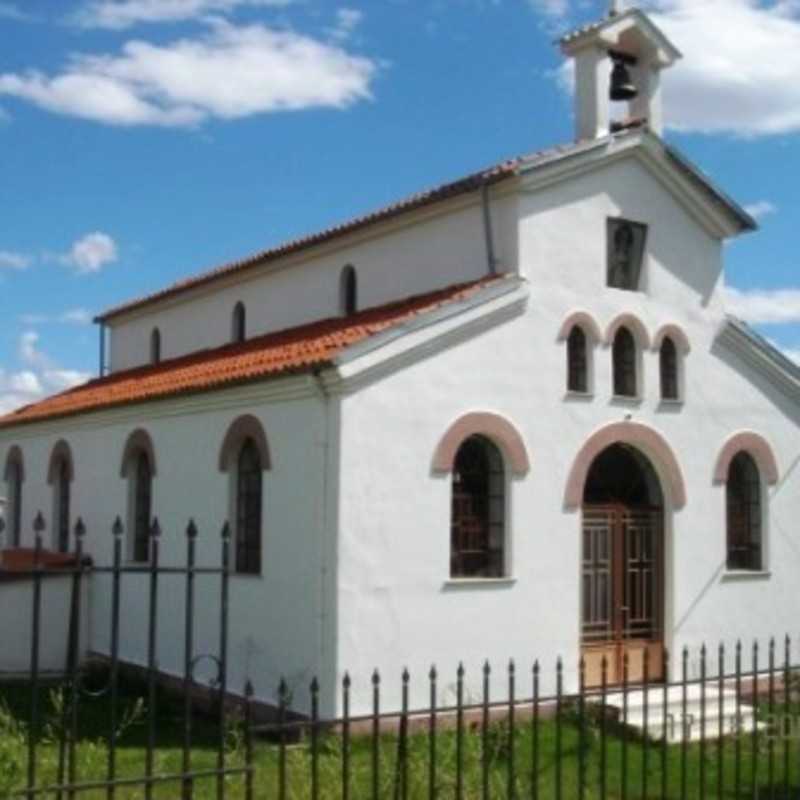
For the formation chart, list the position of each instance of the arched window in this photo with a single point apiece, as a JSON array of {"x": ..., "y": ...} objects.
[
  {"x": 59, "y": 476},
  {"x": 142, "y": 507},
  {"x": 139, "y": 467},
  {"x": 14, "y": 476},
  {"x": 62, "y": 506},
  {"x": 239, "y": 323},
  {"x": 477, "y": 531},
  {"x": 743, "y": 496},
  {"x": 668, "y": 362},
  {"x": 577, "y": 361},
  {"x": 248, "y": 509},
  {"x": 155, "y": 346},
  {"x": 348, "y": 291},
  {"x": 624, "y": 356}
]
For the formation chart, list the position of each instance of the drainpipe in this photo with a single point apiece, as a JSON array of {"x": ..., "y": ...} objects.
[
  {"x": 325, "y": 396},
  {"x": 102, "y": 348},
  {"x": 487, "y": 230}
]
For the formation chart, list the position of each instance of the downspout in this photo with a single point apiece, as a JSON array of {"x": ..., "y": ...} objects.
[
  {"x": 487, "y": 230},
  {"x": 102, "y": 348},
  {"x": 325, "y": 395}
]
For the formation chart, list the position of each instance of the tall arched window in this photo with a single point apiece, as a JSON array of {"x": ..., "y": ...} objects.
[
  {"x": 477, "y": 532},
  {"x": 142, "y": 507},
  {"x": 248, "y": 509},
  {"x": 62, "y": 506},
  {"x": 743, "y": 496},
  {"x": 14, "y": 476},
  {"x": 59, "y": 476},
  {"x": 239, "y": 323},
  {"x": 348, "y": 291},
  {"x": 577, "y": 361},
  {"x": 668, "y": 363},
  {"x": 155, "y": 346},
  {"x": 624, "y": 356}
]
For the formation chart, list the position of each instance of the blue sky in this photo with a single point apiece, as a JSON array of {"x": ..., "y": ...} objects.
[{"x": 145, "y": 140}]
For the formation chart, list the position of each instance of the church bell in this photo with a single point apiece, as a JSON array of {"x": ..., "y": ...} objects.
[{"x": 622, "y": 87}]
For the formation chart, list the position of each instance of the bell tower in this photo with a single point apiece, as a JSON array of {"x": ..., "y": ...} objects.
[{"x": 618, "y": 59}]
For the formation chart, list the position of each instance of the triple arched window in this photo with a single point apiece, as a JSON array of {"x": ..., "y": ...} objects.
[
  {"x": 668, "y": 369},
  {"x": 577, "y": 360},
  {"x": 624, "y": 358},
  {"x": 744, "y": 514}
]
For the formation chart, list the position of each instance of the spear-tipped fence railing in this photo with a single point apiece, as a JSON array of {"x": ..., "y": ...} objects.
[
  {"x": 721, "y": 729},
  {"x": 67, "y": 780}
]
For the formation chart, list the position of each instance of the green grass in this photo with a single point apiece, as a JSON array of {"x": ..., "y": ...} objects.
[{"x": 575, "y": 750}]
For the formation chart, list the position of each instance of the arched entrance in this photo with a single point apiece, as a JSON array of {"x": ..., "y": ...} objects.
[{"x": 622, "y": 603}]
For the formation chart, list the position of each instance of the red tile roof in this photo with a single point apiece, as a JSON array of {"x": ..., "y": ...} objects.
[
  {"x": 470, "y": 183},
  {"x": 290, "y": 351}
]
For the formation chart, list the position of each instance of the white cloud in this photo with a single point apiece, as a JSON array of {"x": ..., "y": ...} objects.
[
  {"x": 552, "y": 8},
  {"x": 28, "y": 352},
  {"x": 40, "y": 376},
  {"x": 91, "y": 253},
  {"x": 764, "y": 306},
  {"x": 118, "y": 14},
  {"x": 740, "y": 66},
  {"x": 17, "y": 261},
  {"x": 763, "y": 208},
  {"x": 227, "y": 72},
  {"x": 76, "y": 316},
  {"x": 347, "y": 20},
  {"x": 73, "y": 316}
]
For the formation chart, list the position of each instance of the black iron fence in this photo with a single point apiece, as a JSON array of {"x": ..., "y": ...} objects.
[{"x": 719, "y": 724}]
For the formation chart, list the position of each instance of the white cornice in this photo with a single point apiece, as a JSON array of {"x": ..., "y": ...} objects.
[
  {"x": 427, "y": 336},
  {"x": 649, "y": 152},
  {"x": 761, "y": 357}
]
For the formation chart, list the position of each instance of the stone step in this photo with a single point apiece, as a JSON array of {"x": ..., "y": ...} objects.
[{"x": 684, "y": 719}]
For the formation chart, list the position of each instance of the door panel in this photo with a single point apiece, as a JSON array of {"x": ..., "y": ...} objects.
[{"x": 622, "y": 592}]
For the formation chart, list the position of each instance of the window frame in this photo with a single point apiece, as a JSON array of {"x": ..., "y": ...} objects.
[
  {"x": 496, "y": 561},
  {"x": 634, "y": 367},
  {"x": 755, "y": 503},
  {"x": 584, "y": 369},
  {"x": 670, "y": 373},
  {"x": 15, "y": 477},
  {"x": 155, "y": 346},
  {"x": 239, "y": 323},
  {"x": 348, "y": 291},
  {"x": 249, "y": 510},
  {"x": 638, "y": 246},
  {"x": 62, "y": 502}
]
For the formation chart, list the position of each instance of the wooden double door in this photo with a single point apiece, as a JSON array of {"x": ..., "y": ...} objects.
[{"x": 622, "y": 593}]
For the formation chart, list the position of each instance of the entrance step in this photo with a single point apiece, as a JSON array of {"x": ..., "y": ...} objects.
[{"x": 697, "y": 718}]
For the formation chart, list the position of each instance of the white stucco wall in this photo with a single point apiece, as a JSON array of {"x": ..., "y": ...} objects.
[
  {"x": 16, "y": 624},
  {"x": 421, "y": 252},
  {"x": 275, "y": 619},
  {"x": 396, "y": 605}
]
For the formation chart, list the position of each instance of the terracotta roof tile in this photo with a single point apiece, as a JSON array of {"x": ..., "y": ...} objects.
[{"x": 294, "y": 350}]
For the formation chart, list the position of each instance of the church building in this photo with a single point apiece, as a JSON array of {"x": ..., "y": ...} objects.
[{"x": 505, "y": 418}]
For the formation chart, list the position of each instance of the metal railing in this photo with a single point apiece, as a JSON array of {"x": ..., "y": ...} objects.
[
  {"x": 68, "y": 782},
  {"x": 715, "y": 729}
]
